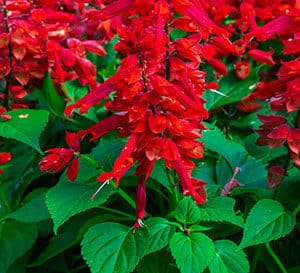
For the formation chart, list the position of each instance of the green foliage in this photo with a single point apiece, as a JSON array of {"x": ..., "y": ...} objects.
[
  {"x": 187, "y": 212},
  {"x": 15, "y": 239},
  {"x": 25, "y": 126},
  {"x": 233, "y": 89},
  {"x": 191, "y": 253},
  {"x": 112, "y": 248},
  {"x": 159, "y": 233},
  {"x": 267, "y": 221},
  {"x": 220, "y": 209},
  {"x": 228, "y": 259}
]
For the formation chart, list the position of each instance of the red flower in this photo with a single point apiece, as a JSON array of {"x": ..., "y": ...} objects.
[
  {"x": 4, "y": 158},
  {"x": 58, "y": 158},
  {"x": 261, "y": 56},
  {"x": 242, "y": 69}
]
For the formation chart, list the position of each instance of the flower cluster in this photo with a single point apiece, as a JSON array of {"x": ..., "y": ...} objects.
[
  {"x": 40, "y": 36},
  {"x": 158, "y": 93}
]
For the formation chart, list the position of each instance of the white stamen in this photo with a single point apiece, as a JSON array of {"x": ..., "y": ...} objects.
[{"x": 99, "y": 189}]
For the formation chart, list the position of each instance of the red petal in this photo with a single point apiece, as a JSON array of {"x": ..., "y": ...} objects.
[
  {"x": 4, "y": 157},
  {"x": 72, "y": 170},
  {"x": 72, "y": 141}
]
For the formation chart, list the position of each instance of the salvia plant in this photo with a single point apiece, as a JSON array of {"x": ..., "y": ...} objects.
[{"x": 149, "y": 136}]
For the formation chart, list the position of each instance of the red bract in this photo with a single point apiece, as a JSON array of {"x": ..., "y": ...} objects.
[
  {"x": 4, "y": 158},
  {"x": 58, "y": 158},
  {"x": 41, "y": 36}
]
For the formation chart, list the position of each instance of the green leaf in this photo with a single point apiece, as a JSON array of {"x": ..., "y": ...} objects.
[
  {"x": 67, "y": 199},
  {"x": 267, "y": 221},
  {"x": 220, "y": 209},
  {"x": 15, "y": 239},
  {"x": 159, "y": 174},
  {"x": 67, "y": 236},
  {"x": 33, "y": 211},
  {"x": 158, "y": 262},
  {"x": 112, "y": 248},
  {"x": 159, "y": 234},
  {"x": 252, "y": 171},
  {"x": 53, "y": 100},
  {"x": 227, "y": 259},
  {"x": 192, "y": 253},
  {"x": 233, "y": 87},
  {"x": 187, "y": 211},
  {"x": 25, "y": 126},
  {"x": 233, "y": 152}
]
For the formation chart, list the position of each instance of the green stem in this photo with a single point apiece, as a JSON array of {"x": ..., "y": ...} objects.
[
  {"x": 124, "y": 195},
  {"x": 129, "y": 216},
  {"x": 275, "y": 258},
  {"x": 90, "y": 160}
]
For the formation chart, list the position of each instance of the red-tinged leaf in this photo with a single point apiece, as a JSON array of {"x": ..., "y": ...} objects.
[
  {"x": 72, "y": 170},
  {"x": 94, "y": 47},
  {"x": 275, "y": 176}
]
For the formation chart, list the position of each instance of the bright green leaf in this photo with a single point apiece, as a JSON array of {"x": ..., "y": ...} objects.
[
  {"x": 53, "y": 100},
  {"x": 267, "y": 221},
  {"x": 227, "y": 259},
  {"x": 67, "y": 199},
  {"x": 159, "y": 233},
  {"x": 192, "y": 253},
  {"x": 187, "y": 211},
  {"x": 220, "y": 209},
  {"x": 15, "y": 239},
  {"x": 112, "y": 248},
  {"x": 25, "y": 126}
]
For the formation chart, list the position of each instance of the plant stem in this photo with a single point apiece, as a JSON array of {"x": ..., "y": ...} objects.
[
  {"x": 275, "y": 258},
  {"x": 126, "y": 197},
  {"x": 129, "y": 216},
  {"x": 90, "y": 160}
]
